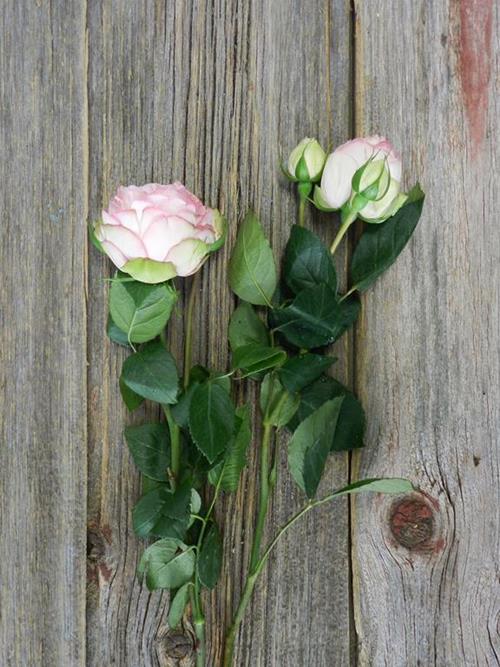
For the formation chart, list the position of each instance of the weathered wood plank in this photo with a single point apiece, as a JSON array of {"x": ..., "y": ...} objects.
[
  {"x": 211, "y": 93},
  {"x": 427, "y": 364},
  {"x": 43, "y": 333}
]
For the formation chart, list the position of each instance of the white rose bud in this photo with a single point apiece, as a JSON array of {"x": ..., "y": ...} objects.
[{"x": 306, "y": 162}]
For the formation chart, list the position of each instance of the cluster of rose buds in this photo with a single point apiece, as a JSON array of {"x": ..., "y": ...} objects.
[{"x": 361, "y": 178}]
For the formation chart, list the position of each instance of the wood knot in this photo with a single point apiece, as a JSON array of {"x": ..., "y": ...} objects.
[
  {"x": 99, "y": 561},
  {"x": 173, "y": 646},
  {"x": 412, "y": 523}
]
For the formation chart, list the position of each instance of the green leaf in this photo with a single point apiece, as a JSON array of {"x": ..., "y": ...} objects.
[
  {"x": 116, "y": 334},
  {"x": 177, "y": 605},
  {"x": 223, "y": 381},
  {"x": 277, "y": 404},
  {"x": 130, "y": 398},
  {"x": 252, "y": 269},
  {"x": 254, "y": 358},
  {"x": 300, "y": 371},
  {"x": 210, "y": 558},
  {"x": 380, "y": 244},
  {"x": 151, "y": 373},
  {"x": 163, "y": 512},
  {"x": 180, "y": 411},
  {"x": 377, "y": 485},
  {"x": 211, "y": 419},
  {"x": 315, "y": 317},
  {"x": 141, "y": 311},
  {"x": 167, "y": 563},
  {"x": 246, "y": 327},
  {"x": 164, "y": 549},
  {"x": 235, "y": 457},
  {"x": 310, "y": 445},
  {"x": 149, "y": 445},
  {"x": 351, "y": 421},
  {"x": 308, "y": 261}
]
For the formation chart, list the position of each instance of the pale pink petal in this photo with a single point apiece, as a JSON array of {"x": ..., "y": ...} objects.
[
  {"x": 126, "y": 218},
  {"x": 357, "y": 149},
  {"x": 114, "y": 254},
  {"x": 187, "y": 256},
  {"x": 163, "y": 234},
  {"x": 206, "y": 235},
  {"x": 129, "y": 244}
]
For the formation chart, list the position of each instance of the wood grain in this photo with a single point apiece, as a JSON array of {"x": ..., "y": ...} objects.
[
  {"x": 214, "y": 94},
  {"x": 427, "y": 354},
  {"x": 43, "y": 174}
]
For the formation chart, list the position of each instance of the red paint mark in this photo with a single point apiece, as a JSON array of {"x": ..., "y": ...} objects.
[{"x": 475, "y": 64}]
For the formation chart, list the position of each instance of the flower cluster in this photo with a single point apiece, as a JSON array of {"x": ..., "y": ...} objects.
[{"x": 288, "y": 314}]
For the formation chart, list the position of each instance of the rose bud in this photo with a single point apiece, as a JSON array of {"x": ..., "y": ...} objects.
[
  {"x": 306, "y": 162},
  {"x": 363, "y": 175},
  {"x": 156, "y": 232}
]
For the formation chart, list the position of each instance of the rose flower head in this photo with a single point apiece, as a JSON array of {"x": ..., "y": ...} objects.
[
  {"x": 156, "y": 232},
  {"x": 364, "y": 174}
]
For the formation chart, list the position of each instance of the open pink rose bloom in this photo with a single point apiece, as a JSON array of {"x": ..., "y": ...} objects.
[{"x": 156, "y": 232}]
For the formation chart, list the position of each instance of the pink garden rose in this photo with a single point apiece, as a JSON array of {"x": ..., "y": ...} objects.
[
  {"x": 382, "y": 164},
  {"x": 156, "y": 232}
]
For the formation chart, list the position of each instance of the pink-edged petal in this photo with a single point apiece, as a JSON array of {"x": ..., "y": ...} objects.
[
  {"x": 125, "y": 217},
  {"x": 188, "y": 256},
  {"x": 357, "y": 149},
  {"x": 163, "y": 234},
  {"x": 114, "y": 254},
  {"x": 128, "y": 243}
]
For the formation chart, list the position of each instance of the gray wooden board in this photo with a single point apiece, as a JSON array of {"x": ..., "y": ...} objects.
[
  {"x": 213, "y": 95},
  {"x": 427, "y": 349},
  {"x": 43, "y": 204}
]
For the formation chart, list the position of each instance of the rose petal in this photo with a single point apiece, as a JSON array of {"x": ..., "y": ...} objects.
[
  {"x": 188, "y": 256},
  {"x": 164, "y": 233},
  {"x": 125, "y": 217},
  {"x": 376, "y": 210},
  {"x": 128, "y": 243},
  {"x": 115, "y": 255},
  {"x": 337, "y": 177}
]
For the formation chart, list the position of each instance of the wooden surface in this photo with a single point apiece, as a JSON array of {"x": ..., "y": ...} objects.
[
  {"x": 43, "y": 246},
  {"x": 213, "y": 93},
  {"x": 427, "y": 347}
]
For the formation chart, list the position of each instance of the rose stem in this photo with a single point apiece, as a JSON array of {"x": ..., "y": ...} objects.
[
  {"x": 199, "y": 618},
  {"x": 263, "y": 496},
  {"x": 188, "y": 348},
  {"x": 347, "y": 221},
  {"x": 252, "y": 579},
  {"x": 302, "y": 210},
  {"x": 265, "y": 484}
]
